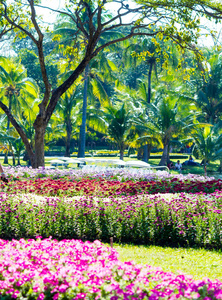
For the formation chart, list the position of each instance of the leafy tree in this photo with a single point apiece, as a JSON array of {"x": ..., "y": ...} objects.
[
  {"x": 10, "y": 142},
  {"x": 208, "y": 144},
  {"x": 29, "y": 59},
  {"x": 68, "y": 112},
  {"x": 118, "y": 123},
  {"x": 209, "y": 96},
  {"x": 17, "y": 88},
  {"x": 176, "y": 20},
  {"x": 168, "y": 123}
]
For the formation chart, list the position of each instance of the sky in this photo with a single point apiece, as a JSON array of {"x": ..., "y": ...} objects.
[{"x": 49, "y": 17}]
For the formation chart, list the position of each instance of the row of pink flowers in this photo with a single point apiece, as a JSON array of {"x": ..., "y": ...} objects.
[
  {"x": 71, "y": 269},
  {"x": 106, "y": 187}
]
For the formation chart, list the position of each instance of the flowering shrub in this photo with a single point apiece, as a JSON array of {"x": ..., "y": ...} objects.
[
  {"x": 70, "y": 269},
  {"x": 103, "y": 187},
  {"x": 98, "y": 172},
  {"x": 161, "y": 219}
]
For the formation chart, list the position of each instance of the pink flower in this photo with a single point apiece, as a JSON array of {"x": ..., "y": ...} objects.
[
  {"x": 41, "y": 296},
  {"x": 63, "y": 288},
  {"x": 56, "y": 296}
]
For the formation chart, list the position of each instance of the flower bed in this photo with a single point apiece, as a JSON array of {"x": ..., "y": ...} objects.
[
  {"x": 121, "y": 174},
  {"x": 103, "y": 187},
  {"x": 162, "y": 219},
  {"x": 70, "y": 269},
  {"x": 129, "y": 206}
]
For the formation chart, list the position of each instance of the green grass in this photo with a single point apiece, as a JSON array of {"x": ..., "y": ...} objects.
[{"x": 199, "y": 263}]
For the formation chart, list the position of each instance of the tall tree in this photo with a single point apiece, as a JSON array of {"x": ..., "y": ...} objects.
[
  {"x": 69, "y": 116},
  {"x": 168, "y": 123},
  {"x": 208, "y": 144},
  {"x": 118, "y": 123},
  {"x": 16, "y": 88},
  {"x": 171, "y": 19}
]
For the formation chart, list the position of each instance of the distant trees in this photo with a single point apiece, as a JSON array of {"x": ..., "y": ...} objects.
[
  {"x": 208, "y": 145},
  {"x": 170, "y": 19}
]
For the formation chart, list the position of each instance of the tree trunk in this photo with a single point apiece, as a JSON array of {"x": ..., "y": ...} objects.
[
  {"x": 20, "y": 132},
  {"x": 121, "y": 154},
  {"x": 68, "y": 138},
  {"x": 220, "y": 167},
  {"x": 8, "y": 126},
  {"x": 13, "y": 159},
  {"x": 147, "y": 151},
  {"x": 121, "y": 150},
  {"x": 164, "y": 158},
  {"x": 149, "y": 83},
  {"x": 146, "y": 147},
  {"x": 39, "y": 157},
  {"x": 82, "y": 135},
  {"x": 6, "y": 158}
]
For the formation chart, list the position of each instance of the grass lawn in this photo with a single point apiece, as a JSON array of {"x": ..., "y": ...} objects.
[{"x": 199, "y": 263}]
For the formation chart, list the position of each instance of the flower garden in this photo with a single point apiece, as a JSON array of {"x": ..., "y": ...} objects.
[{"x": 53, "y": 224}]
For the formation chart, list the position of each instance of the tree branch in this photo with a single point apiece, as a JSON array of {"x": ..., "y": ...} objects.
[
  {"x": 12, "y": 22},
  {"x": 39, "y": 44}
]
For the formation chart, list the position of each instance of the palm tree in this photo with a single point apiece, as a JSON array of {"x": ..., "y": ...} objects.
[
  {"x": 208, "y": 144},
  {"x": 153, "y": 59},
  {"x": 96, "y": 73},
  {"x": 15, "y": 87},
  {"x": 118, "y": 127},
  {"x": 68, "y": 115},
  {"x": 118, "y": 123},
  {"x": 168, "y": 123},
  {"x": 12, "y": 142}
]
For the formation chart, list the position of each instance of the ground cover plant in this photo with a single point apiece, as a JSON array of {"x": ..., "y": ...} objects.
[{"x": 70, "y": 269}]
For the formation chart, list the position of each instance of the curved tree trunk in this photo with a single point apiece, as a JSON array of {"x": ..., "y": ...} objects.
[
  {"x": 68, "y": 138},
  {"x": 82, "y": 135}
]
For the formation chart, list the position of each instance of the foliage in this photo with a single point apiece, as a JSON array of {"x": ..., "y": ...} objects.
[{"x": 208, "y": 143}]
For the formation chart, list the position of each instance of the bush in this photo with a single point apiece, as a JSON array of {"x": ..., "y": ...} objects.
[
  {"x": 69, "y": 269},
  {"x": 173, "y": 220}
]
